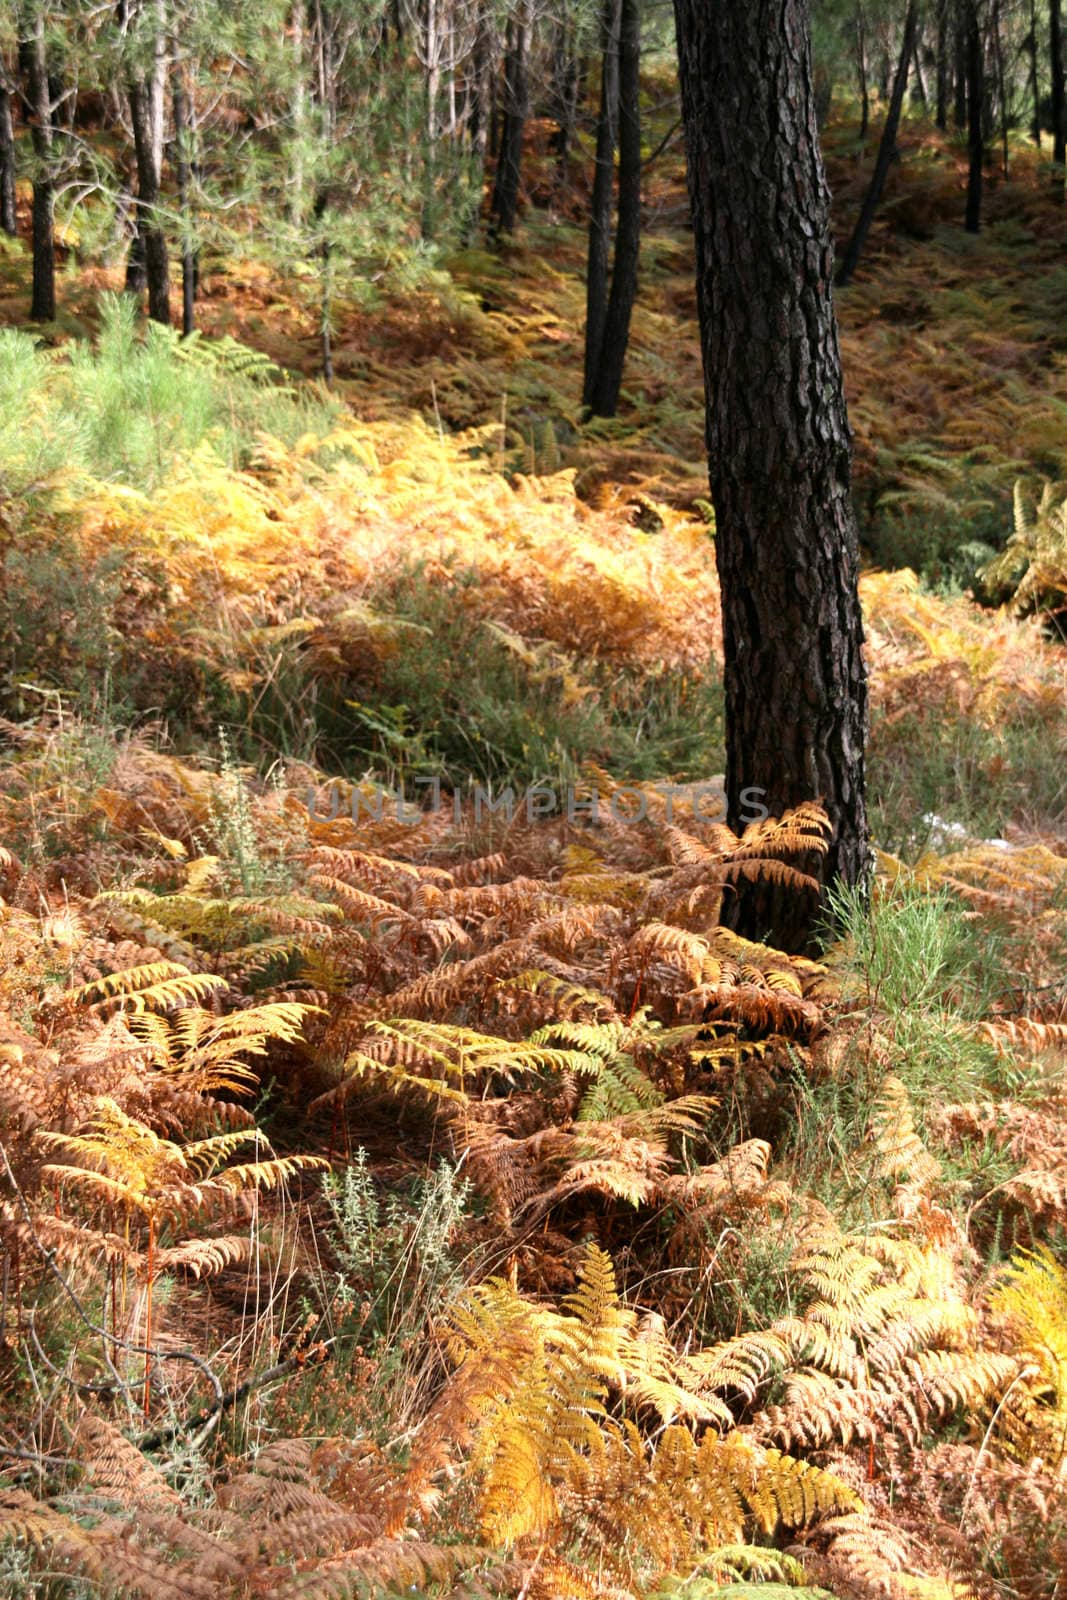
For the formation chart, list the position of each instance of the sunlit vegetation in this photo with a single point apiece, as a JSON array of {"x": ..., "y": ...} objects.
[{"x": 409, "y": 1182}]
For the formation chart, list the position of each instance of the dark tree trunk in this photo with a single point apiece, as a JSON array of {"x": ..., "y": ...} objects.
[
  {"x": 156, "y": 265},
  {"x": 779, "y": 444},
  {"x": 183, "y": 172},
  {"x": 1035, "y": 91},
  {"x": 603, "y": 397},
  {"x": 886, "y": 151},
  {"x": 959, "y": 107},
  {"x": 1002, "y": 83},
  {"x": 861, "y": 72},
  {"x": 975, "y": 112},
  {"x": 505, "y": 203},
  {"x": 944, "y": 65},
  {"x": 8, "y": 219},
  {"x": 599, "y": 257},
  {"x": 1059, "y": 119},
  {"x": 43, "y": 303},
  {"x": 479, "y": 116}
]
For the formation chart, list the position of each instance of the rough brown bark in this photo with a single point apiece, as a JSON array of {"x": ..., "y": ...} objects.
[
  {"x": 779, "y": 444},
  {"x": 598, "y": 258}
]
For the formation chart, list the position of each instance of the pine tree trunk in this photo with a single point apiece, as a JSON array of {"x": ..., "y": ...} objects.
[
  {"x": 861, "y": 72},
  {"x": 959, "y": 108},
  {"x": 603, "y": 397},
  {"x": 156, "y": 265},
  {"x": 886, "y": 151},
  {"x": 779, "y": 444},
  {"x": 599, "y": 253},
  {"x": 8, "y": 218},
  {"x": 1059, "y": 114},
  {"x": 1035, "y": 91},
  {"x": 183, "y": 173},
  {"x": 975, "y": 116},
  {"x": 505, "y": 203},
  {"x": 1002, "y": 85},
  {"x": 944, "y": 66},
  {"x": 43, "y": 303}
]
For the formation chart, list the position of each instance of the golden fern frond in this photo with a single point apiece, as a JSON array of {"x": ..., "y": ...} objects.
[
  {"x": 900, "y": 1151},
  {"x": 158, "y": 985},
  {"x": 1033, "y": 1298}
]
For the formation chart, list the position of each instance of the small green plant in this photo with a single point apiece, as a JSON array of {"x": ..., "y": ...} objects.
[{"x": 398, "y": 1269}]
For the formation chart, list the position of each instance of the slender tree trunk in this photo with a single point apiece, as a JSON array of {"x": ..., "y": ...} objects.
[
  {"x": 944, "y": 65},
  {"x": 919, "y": 75},
  {"x": 1059, "y": 116},
  {"x": 779, "y": 444},
  {"x": 156, "y": 265},
  {"x": 505, "y": 202},
  {"x": 297, "y": 182},
  {"x": 8, "y": 219},
  {"x": 1035, "y": 91},
  {"x": 975, "y": 114},
  {"x": 861, "y": 72},
  {"x": 599, "y": 254},
  {"x": 1002, "y": 84},
  {"x": 432, "y": 132},
  {"x": 959, "y": 107},
  {"x": 480, "y": 110},
  {"x": 565, "y": 91},
  {"x": 603, "y": 398},
  {"x": 183, "y": 171},
  {"x": 886, "y": 151},
  {"x": 43, "y": 302}
]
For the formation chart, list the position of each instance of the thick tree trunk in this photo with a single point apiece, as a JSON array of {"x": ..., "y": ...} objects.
[
  {"x": 600, "y": 208},
  {"x": 1059, "y": 113},
  {"x": 975, "y": 115},
  {"x": 886, "y": 151},
  {"x": 43, "y": 303},
  {"x": 944, "y": 66},
  {"x": 8, "y": 218},
  {"x": 505, "y": 203},
  {"x": 603, "y": 396},
  {"x": 779, "y": 444}
]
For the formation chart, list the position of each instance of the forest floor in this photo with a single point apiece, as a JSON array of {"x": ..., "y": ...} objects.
[{"x": 648, "y": 1261}]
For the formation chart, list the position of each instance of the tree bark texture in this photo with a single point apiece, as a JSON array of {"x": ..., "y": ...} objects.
[{"x": 779, "y": 444}]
